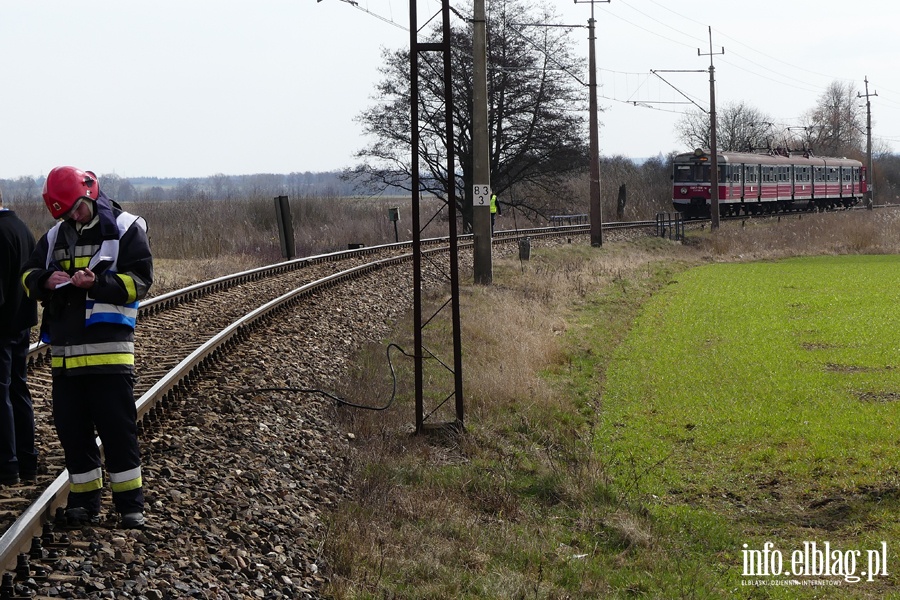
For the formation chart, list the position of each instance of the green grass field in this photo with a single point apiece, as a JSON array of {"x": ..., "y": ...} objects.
[{"x": 759, "y": 402}]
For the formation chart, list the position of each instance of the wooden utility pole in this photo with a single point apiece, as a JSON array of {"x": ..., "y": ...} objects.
[
  {"x": 870, "y": 173},
  {"x": 714, "y": 168},
  {"x": 482, "y": 232},
  {"x": 595, "y": 206}
]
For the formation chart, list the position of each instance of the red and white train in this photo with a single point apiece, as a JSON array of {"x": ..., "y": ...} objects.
[{"x": 752, "y": 183}]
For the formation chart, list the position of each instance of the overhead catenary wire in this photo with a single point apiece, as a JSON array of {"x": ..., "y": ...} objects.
[
  {"x": 780, "y": 77},
  {"x": 776, "y": 69}
]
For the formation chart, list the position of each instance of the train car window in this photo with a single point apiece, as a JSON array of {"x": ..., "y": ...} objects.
[
  {"x": 855, "y": 173},
  {"x": 750, "y": 173},
  {"x": 803, "y": 174},
  {"x": 820, "y": 173}
]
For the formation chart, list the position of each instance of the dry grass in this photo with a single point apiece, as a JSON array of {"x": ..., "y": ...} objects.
[
  {"x": 507, "y": 509},
  {"x": 847, "y": 232},
  {"x": 212, "y": 229},
  {"x": 470, "y": 516}
]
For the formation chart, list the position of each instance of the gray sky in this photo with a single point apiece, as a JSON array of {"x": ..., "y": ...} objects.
[{"x": 192, "y": 88}]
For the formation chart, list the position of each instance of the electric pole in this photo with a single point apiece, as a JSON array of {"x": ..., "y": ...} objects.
[
  {"x": 870, "y": 176},
  {"x": 595, "y": 205},
  {"x": 482, "y": 232},
  {"x": 714, "y": 168}
]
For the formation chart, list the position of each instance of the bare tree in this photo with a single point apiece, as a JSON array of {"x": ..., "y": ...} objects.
[
  {"x": 535, "y": 111},
  {"x": 836, "y": 126},
  {"x": 739, "y": 127}
]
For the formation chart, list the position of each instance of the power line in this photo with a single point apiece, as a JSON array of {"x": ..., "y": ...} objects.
[
  {"x": 793, "y": 81},
  {"x": 650, "y": 31}
]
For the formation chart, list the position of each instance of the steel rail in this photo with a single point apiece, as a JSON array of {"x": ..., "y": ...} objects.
[
  {"x": 17, "y": 538},
  {"x": 39, "y": 351}
]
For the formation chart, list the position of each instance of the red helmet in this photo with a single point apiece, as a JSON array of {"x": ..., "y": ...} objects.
[{"x": 65, "y": 185}]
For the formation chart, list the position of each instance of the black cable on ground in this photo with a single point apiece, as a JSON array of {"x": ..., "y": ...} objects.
[{"x": 338, "y": 399}]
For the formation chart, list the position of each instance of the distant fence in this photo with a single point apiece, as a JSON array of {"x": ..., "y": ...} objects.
[
  {"x": 669, "y": 225},
  {"x": 568, "y": 219}
]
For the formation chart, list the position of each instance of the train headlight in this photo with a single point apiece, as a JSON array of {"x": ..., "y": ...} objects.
[{"x": 684, "y": 190}]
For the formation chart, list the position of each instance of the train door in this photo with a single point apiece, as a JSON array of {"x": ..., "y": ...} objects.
[
  {"x": 802, "y": 182},
  {"x": 792, "y": 179},
  {"x": 818, "y": 183},
  {"x": 751, "y": 182},
  {"x": 834, "y": 182},
  {"x": 783, "y": 178}
]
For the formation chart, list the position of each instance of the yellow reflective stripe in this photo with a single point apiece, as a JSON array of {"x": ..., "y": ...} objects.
[
  {"x": 86, "y": 482},
  {"x": 129, "y": 287},
  {"x": 126, "y": 486},
  {"x": 82, "y": 261},
  {"x": 93, "y": 360},
  {"x": 25, "y": 276},
  {"x": 90, "y": 486}
]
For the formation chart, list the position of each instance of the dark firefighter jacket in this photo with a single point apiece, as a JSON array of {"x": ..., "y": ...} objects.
[{"x": 92, "y": 331}]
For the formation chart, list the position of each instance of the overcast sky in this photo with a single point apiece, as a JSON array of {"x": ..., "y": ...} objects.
[{"x": 192, "y": 88}]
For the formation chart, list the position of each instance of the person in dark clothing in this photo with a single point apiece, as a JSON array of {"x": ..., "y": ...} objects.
[
  {"x": 90, "y": 271},
  {"x": 18, "y": 314}
]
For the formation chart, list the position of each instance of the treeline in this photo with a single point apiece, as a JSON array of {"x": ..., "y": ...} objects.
[
  {"x": 646, "y": 190},
  {"x": 216, "y": 187}
]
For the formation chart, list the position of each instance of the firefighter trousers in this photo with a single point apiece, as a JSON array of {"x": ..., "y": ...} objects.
[
  {"x": 18, "y": 455},
  {"x": 105, "y": 403}
]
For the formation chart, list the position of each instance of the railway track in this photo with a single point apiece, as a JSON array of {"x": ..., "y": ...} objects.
[
  {"x": 235, "y": 480},
  {"x": 236, "y": 476}
]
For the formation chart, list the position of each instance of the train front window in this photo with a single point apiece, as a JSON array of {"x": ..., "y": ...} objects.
[
  {"x": 696, "y": 173},
  {"x": 688, "y": 173}
]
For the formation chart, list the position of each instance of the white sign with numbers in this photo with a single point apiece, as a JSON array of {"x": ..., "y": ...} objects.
[{"x": 481, "y": 195}]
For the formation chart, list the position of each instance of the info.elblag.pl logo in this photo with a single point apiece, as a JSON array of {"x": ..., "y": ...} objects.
[{"x": 814, "y": 559}]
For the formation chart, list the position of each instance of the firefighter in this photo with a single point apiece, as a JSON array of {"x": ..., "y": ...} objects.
[
  {"x": 89, "y": 271},
  {"x": 18, "y": 314}
]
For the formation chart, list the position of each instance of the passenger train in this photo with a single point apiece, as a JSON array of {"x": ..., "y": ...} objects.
[{"x": 757, "y": 183}]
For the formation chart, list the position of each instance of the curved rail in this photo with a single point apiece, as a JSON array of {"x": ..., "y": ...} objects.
[{"x": 18, "y": 536}]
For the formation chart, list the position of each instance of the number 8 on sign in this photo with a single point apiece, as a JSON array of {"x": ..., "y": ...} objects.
[{"x": 481, "y": 195}]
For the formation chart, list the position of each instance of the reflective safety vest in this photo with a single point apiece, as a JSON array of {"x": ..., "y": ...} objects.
[
  {"x": 101, "y": 312},
  {"x": 493, "y": 203}
]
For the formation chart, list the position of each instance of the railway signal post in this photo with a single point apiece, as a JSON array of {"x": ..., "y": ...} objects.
[{"x": 482, "y": 231}]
